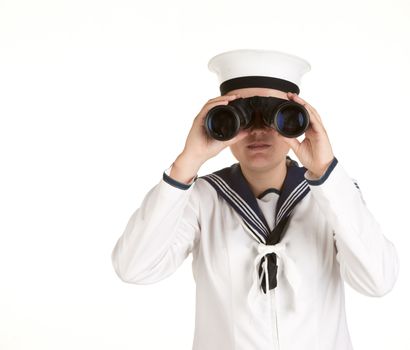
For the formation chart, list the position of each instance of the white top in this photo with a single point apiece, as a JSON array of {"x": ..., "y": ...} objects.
[
  {"x": 331, "y": 239},
  {"x": 267, "y": 204}
]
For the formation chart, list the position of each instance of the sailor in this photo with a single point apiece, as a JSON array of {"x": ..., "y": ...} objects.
[{"x": 273, "y": 241}]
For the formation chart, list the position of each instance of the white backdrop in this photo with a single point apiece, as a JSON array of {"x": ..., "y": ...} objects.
[{"x": 96, "y": 100}]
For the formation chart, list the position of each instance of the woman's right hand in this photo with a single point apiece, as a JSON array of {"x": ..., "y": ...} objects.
[{"x": 199, "y": 146}]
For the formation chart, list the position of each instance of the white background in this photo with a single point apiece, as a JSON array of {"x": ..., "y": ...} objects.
[{"x": 96, "y": 100}]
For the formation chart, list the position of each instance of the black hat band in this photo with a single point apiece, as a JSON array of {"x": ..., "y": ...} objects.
[{"x": 260, "y": 82}]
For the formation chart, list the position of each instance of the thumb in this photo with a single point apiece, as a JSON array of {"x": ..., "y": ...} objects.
[
  {"x": 241, "y": 135},
  {"x": 293, "y": 143}
]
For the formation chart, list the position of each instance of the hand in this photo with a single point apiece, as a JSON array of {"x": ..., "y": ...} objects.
[
  {"x": 199, "y": 147},
  {"x": 314, "y": 152}
]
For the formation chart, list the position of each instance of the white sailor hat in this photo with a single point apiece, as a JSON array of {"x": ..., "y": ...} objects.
[{"x": 258, "y": 68}]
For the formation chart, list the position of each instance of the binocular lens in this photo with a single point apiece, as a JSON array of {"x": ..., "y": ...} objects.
[
  {"x": 222, "y": 124},
  {"x": 291, "y": 121}
]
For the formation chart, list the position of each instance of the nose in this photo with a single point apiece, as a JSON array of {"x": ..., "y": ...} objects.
[{"x": 258, "y": 124}]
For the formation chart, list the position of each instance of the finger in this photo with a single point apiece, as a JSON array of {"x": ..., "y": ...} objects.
[
  {"x": 302, "y": 101},
  {"x": 223, "y": 97},
  {"x": 222, "y": 100},
  {"x": 308, "y": 106},
  {"x": 315, "y": 119},
  {"x": 293, "y": 143},
  {"x": 242, "y": 134},
  {"x": 209, "y": 105},
  {"x": 200, "y": 118}
]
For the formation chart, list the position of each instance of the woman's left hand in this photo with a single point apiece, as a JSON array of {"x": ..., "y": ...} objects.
[{"x": 314, "y": 152}]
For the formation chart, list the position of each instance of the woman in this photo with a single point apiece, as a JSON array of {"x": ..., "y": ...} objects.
[{"x": 272, "y": 242}]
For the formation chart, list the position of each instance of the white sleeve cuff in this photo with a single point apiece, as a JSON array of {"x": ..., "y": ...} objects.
[{"x": 169, "y": 180}]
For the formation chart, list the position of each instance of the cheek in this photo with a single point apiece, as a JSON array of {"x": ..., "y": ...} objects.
[
  {"x": 235, "y": 149},
  {"x": 278, "y": 142}
]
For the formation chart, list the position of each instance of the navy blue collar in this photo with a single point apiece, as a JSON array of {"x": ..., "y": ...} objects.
[{"x": 231, "y": 185}]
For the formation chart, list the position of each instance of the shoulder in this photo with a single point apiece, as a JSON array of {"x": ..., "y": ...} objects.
[{"x": 203, "y": 189}]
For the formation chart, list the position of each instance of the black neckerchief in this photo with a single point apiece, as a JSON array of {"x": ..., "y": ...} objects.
[{"x": 231, "y": 185}]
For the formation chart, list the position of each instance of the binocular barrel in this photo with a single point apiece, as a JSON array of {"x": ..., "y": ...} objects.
[{"x": 289, "y": 118}]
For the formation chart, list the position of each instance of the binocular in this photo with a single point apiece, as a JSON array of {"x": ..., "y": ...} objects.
[{"x": 289, "y": 118}]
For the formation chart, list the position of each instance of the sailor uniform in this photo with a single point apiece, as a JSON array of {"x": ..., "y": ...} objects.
[{"x": 264, "y": 280}]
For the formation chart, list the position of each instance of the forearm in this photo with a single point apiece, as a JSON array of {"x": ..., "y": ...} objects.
[{"x": 185, "y": 168}]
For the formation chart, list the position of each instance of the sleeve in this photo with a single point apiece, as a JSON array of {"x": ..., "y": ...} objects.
[
  {"x": 368, "y": 260},
  {"x": 159, "y": 235}
]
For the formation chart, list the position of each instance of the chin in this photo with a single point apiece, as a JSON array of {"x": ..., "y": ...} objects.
[{"x": 258, "y": 163}]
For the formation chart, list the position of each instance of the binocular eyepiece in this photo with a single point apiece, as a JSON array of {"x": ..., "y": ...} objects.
[{"x": 289, "y": 118}]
